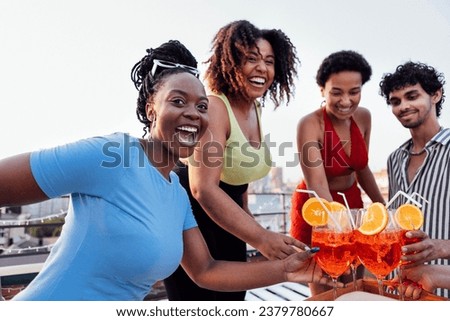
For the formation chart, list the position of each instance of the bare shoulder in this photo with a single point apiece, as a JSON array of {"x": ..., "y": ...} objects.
[
  {"x": 219, "y": 122},
  {"x": 363, "y": 120},
  {"x": 216, "y": 105},
  {"x": 217, "y": 112},
  {"x": 362, "y": 114},
  {"x": 311, "y": 122}
]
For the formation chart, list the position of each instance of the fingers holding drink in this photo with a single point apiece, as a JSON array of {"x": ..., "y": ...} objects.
[
  {"x": 425, "y": 250},
  {"x": 410, "y": 219},
  {"x": 301, "y": 267}
]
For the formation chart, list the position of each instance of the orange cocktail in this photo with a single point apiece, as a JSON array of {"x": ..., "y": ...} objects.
[
  {"x": 379, "y": 253},
  {"x": 332, "y": 232},
  {"x": 336, "y": 250},
  {"x": 409, "y": 217}
]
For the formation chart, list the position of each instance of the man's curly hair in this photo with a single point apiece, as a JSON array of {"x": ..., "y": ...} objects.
[{"x": 410, "y": 74}]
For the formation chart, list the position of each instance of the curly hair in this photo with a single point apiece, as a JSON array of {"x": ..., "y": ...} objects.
[
  {"x": 229, "y": 48},
  {"x": 147, "y": 84},
  {"x": 344, "y": 60},
  {"x": 410, "y": 74}
]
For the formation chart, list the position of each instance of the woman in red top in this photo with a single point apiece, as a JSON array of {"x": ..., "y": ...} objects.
[{"x": 333, "y": 141}]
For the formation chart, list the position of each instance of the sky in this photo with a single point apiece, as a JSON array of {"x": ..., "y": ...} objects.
[{"x": 65, "y": 65}]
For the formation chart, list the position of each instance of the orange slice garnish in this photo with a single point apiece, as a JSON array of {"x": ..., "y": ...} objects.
[
  {"x": 313, "y": 212},
  {"x": 336, "y": 206},
  {"x": 374, "y": 220},
  {"x": 409, "y": 217}
]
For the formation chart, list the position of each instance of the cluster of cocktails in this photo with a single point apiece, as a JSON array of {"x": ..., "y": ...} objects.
[{"x": 348, "y": 237}]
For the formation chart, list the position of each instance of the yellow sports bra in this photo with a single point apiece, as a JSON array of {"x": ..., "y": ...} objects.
[{"x": 242, "y": 162}]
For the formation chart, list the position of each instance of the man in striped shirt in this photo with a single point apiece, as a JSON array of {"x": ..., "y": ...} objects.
[{"x": 422, "y": 164}]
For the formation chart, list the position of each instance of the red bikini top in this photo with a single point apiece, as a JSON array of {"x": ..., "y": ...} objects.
[{"x": 336, "y": 162}]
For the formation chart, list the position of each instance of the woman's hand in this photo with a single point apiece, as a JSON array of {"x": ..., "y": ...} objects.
[
  {"x": 275, "y": 245},
  {"x": 302, "y": 268}
]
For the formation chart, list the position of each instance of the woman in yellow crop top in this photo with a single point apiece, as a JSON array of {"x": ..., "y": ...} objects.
[{"x": 246, "y": 64}]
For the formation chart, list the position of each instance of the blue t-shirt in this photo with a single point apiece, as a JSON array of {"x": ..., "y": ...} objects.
[{"x": 125, "y": 223}]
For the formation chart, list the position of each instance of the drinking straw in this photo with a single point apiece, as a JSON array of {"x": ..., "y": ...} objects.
[
  {"x": 323, "y": 205},
  {"x": 420, "y": 196},
  {"x": 348, "y": 210},
  {"x": 405, "y": 195},
  {"x": 391, "y": 218}
]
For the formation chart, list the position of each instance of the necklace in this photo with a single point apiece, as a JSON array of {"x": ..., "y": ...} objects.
[
  {"x": 416, "y": 153},
  {"x": 410, "y": 152}
]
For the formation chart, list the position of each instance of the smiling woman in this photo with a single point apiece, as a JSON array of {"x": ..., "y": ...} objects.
[
  {"x": 128, "y": 194},
  {"x": 181, "y": 107},
  {"x": 246, "y": 64},
  {"x": 333, "y": 141}
]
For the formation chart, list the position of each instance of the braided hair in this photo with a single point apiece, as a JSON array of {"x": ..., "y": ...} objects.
[
  {"x": 229, "y": 48},
  {"x": 173, "y": 51}
]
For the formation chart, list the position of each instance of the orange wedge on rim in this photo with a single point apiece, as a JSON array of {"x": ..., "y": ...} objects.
[
  {"x": 313, "y": 212},
  {"x": 409, "y": 217},
  {"x": 336, "y": 206},
  {"x": 374, "y": 219}
]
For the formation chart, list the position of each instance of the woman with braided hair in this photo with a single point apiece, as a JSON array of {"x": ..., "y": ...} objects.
[
  {"x": 246, "y": 64},
  {"x": 130, "y": 222}
]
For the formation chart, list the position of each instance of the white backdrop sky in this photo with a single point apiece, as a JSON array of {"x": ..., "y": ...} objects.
[{"x": 65, "y": 65}]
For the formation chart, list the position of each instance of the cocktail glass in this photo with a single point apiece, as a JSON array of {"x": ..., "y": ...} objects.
[
  {"x": 404, "y": 240},
  {"x": 380, "y": 253},
  {"x": 335, "y": 240},
  {"x": 356, "y": 262}
]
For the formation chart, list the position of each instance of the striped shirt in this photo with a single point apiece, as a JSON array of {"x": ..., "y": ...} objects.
[{"x": 432, "y": 181}]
